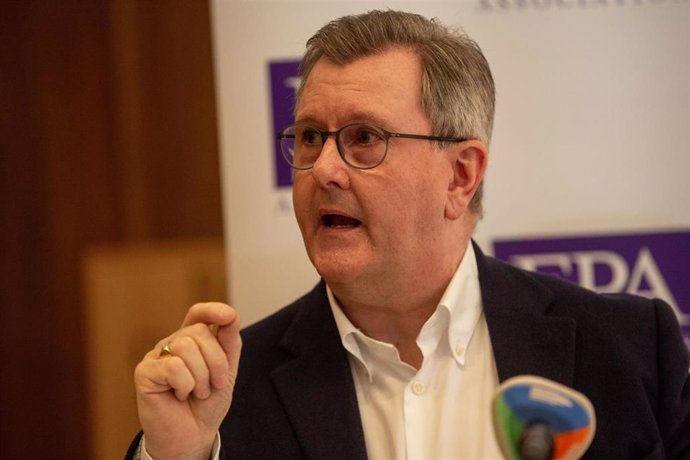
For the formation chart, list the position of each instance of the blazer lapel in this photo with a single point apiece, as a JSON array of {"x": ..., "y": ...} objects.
[
  {"x": 316, "y": 387},
  {"x": 525, "y": 339}
]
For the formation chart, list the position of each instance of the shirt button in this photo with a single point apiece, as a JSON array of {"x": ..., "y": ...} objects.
[
  {"x": 418, "y": 388},
  {"x": 459, "y": 349}
]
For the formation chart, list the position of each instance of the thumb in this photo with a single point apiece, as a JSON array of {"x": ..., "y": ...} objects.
[{"x": 231, "y": 342}]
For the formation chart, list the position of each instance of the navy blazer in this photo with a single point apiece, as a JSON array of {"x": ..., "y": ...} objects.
[{"x": 295, "y": 395}]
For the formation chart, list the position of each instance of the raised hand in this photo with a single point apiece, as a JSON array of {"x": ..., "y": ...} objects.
[{"x": 184, "y": 385}]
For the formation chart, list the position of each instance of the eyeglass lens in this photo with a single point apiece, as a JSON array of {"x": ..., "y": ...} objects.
[{"x": 360, "y": 145}]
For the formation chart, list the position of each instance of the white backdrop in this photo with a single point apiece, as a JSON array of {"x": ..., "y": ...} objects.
[{"x": 592, "y": 129}]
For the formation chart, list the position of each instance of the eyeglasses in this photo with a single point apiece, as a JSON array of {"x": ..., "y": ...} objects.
[{"x": 360, "y": 145}]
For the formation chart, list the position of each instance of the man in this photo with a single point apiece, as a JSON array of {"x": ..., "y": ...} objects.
[{"x": 397, "y": 352}]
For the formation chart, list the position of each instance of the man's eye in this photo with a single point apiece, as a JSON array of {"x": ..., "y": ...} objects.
[
  {"x": 310, "y": 137},
  {"x": 366, "y": 136}
]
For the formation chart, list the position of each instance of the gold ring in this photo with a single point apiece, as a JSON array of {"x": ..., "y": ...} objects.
[{"x": 166, "y": 351}]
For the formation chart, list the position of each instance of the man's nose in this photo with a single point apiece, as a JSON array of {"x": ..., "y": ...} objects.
[{"x": 330, "y": 170}]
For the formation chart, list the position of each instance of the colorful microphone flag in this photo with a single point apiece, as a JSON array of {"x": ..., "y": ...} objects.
[{"x": 538, "y": 419}]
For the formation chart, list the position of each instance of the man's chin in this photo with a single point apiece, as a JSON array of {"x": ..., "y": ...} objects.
[
  {"x": 338, "y": 270},
  {"x": 337, "y": 275}
]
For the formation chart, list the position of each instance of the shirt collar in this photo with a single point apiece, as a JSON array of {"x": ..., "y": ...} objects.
[
  {"x": 461, "y": 300},
  {"x": 347, "y": 331}
]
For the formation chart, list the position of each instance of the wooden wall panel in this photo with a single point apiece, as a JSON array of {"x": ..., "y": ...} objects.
[
  {"x": 146, "y": 290},
  {"x": 164, "y": 117},
  {"x": 107, "y": 134}
]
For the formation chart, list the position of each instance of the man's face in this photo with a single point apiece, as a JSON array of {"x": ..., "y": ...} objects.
[{"x": 381, "y": 225}]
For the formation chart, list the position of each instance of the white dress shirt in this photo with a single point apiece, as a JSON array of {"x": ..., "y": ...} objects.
[{"x": 442, "y": 410}]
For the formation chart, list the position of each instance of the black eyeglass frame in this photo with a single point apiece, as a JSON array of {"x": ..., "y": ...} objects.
[{"x": 326, "y": 134}]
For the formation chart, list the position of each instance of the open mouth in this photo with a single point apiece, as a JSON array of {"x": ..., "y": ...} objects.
[{"x": 339, "y": 221}]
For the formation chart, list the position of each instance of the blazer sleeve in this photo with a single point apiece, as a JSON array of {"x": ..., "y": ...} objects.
[
  {"x": 133, "y": 451},
  {"x": 674, "y": 384}
]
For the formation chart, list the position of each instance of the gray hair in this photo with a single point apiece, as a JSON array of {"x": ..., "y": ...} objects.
[{"x": 458, "y": 93}]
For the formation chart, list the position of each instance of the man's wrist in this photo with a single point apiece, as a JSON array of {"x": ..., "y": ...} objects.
[{"x": 142, "y": 453}]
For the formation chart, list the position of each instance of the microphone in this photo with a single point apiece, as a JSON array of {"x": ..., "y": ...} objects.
[{"x": 539, "y": 419}]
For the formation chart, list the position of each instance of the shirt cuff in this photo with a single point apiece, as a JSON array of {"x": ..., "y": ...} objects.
[{"x": 142, "y": 454}]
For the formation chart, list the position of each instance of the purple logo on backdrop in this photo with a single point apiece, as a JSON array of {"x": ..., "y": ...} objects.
[
  {"x": 651, "y": 265},
  {"x": 284, "y": 84}
]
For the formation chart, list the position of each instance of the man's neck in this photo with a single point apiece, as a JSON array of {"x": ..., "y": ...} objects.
[
  {"x": 397, "y": 315},
  {"x": 398, "y": 325}
]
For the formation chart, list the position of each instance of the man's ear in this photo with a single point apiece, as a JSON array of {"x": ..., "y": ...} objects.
[{"x": 468, "y": 160}]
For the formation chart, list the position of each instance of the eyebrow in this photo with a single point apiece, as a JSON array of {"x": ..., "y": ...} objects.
[{"x": 355, "y": 117}]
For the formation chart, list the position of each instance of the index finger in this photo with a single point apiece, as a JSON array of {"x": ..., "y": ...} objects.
[{"x": 210, "y": 313}]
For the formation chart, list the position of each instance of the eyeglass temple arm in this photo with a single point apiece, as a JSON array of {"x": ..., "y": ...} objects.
[{"x": 430, "y": 138}]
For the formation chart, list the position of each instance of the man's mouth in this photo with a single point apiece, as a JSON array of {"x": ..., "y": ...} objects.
[{"x": 339, "y": 221}]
